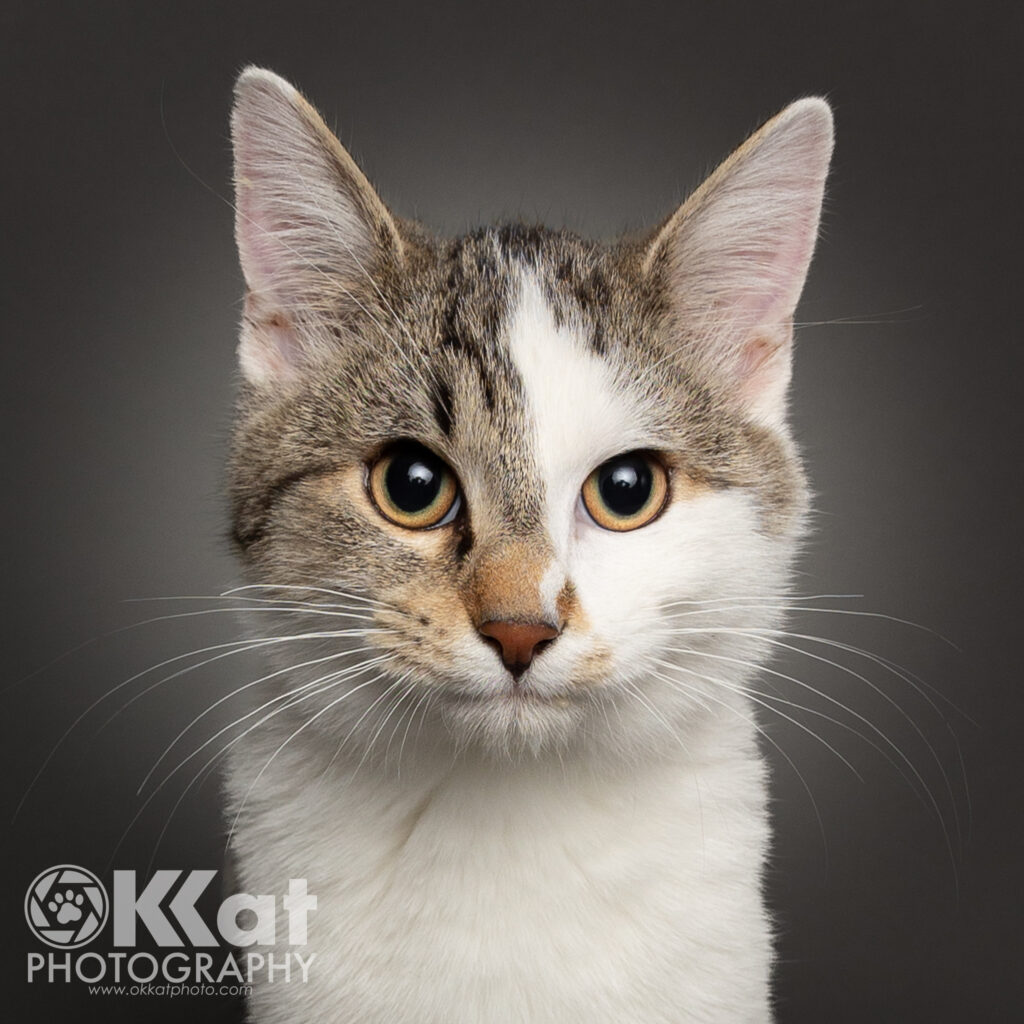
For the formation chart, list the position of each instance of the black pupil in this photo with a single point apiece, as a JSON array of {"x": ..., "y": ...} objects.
[
  {"x": 413, "y": 480},
  {"x": 625, "y": 485}
]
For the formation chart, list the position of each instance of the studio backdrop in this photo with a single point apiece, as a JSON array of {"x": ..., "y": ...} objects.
[{"x": 896, "y": 773}]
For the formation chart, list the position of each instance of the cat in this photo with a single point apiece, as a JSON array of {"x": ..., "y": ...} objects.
[{"x": 527, "y": 505}]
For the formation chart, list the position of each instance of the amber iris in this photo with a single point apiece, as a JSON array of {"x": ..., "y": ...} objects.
[
  {"x": 413, "y": 488},
  {"x": 626, "y": 492}
]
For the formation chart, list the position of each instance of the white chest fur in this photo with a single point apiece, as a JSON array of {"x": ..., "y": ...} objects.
[{"x": 470, "y": 893}]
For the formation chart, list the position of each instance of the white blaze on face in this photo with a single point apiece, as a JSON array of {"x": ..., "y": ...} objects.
[{"x": 581, "y": 416}]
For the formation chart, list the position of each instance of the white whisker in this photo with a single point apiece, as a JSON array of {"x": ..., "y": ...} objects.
[
  {"x": 292, "y": 736},
  {"x": 234, "y": 693},
  {"x": 752, "y": 721},
  {"x": 771, "y": 637},
  {"x": 304, "y": 693},
  {"x": 925, "y": 788},
  {"x": 232, "y": 647},
  {"x": 760, "y": 698}
]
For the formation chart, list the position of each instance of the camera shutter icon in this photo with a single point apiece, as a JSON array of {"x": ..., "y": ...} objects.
[{"x": 66, "y": 906}]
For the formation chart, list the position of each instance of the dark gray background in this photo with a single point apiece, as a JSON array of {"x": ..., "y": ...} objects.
[{"x": 120, "y": 298}]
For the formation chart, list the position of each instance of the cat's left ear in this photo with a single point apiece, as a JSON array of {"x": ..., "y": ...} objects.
[
  {"x": 733, "y": 258},
  {"x": 312, "y": 233}
]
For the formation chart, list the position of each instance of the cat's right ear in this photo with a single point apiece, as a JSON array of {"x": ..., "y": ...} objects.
[{"x": 311, "y": 231}]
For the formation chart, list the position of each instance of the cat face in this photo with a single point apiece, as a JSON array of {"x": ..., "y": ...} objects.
[{"x": 511, "y": 465}]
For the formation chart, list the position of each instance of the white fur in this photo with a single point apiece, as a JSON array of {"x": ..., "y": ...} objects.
[{"x": 477, "y": 893}]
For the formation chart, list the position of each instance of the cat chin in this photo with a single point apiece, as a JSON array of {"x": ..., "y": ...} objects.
[{"x": 512, "y": 723}]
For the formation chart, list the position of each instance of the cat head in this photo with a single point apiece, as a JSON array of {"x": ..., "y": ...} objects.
[{"x": 491, "y": 479}]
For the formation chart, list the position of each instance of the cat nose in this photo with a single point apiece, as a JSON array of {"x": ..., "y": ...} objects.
[{"x": 519, "y": 642}]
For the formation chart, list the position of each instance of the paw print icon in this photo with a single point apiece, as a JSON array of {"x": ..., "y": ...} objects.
[{"x": 66, "y": 906}]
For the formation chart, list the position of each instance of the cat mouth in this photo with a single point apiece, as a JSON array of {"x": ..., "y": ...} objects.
[{"x": 514, "y": 694}]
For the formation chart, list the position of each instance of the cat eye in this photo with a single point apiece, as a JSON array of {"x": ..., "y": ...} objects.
[
  {"x": 413, "y": 488},
  {"x": 626, "y": 492}
]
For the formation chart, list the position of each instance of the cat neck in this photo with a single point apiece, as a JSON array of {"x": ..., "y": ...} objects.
[{"x": 305, "y": 779}]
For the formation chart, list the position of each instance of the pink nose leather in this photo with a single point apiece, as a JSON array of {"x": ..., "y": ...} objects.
[{"x": 519, "y": 642}]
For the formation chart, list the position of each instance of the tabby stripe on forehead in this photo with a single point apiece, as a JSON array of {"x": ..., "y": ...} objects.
[
  {"x": 592, "y": 291},
  {"x": 451, "y": 340},
  {"x": 451, "y": 336},
  {"x": 444, "y": 409}
]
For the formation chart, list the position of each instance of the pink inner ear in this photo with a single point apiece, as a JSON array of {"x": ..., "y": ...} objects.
[
  {"x": 284, "y": 342},
  {"x": 756, "y": 352},
  {"x": 261, "y": 255},
  {"x": 270, "y": 349},
  {"x": 763, "y": 371},
  {"x": 775, "y": 280}
]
